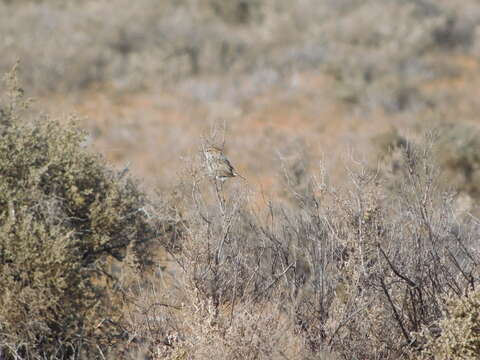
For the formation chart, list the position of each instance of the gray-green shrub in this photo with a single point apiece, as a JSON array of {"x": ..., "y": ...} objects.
[
  {"x": 459, "y": 336},
  {"x": 63, "y": 212}
]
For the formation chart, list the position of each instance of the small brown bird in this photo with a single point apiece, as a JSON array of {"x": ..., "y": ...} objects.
[{"x": 218, "y": 164}]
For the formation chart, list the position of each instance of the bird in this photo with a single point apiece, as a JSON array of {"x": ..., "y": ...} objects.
[{"x": 218, "y": 164}]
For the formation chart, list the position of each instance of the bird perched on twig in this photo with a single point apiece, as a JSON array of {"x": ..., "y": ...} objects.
[{"x": 218, "y": 164}]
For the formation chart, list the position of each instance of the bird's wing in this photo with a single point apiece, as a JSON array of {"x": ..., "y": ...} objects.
[{"x": 228, "y": 165}]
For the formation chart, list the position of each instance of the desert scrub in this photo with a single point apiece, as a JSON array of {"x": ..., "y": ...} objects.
[
  {"x": 456, "y": 150},
  {"x": 459, "y": 153},
  {"x": 260, "y": 43},
  {"x": 63, "y": 213},
  {"x": 459, "y": 331}
]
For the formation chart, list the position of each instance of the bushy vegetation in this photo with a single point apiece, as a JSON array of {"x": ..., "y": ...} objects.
[
  {"x": 63, "y": 214},
  {"x": 456, "y": 149},
  {"x": 354, "y": 272},
  {"x": 382, "y": 263},
  {"x": 248, "y": 45},
  {"x": 351, "y": 272},
  {"x": 459, "y": 153},
  {"x": 457, "y": 334}
]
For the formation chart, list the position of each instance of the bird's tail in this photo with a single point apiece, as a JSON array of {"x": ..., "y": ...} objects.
[{"x": 240, "y": 176}]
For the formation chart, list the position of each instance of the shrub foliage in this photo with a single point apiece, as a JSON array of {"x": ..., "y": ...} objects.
[
  {"x": 62, "y": 213},
  {"x": 460, "y": 331}
]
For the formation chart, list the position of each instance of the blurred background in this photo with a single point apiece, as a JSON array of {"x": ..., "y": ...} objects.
[{"x": 305, "y": 82}]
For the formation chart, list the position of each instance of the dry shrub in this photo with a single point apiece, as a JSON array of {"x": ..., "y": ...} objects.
[
  {"x": 238, "y": 11},
  {"x": 260, "y": 331},
  {"x": 196, "y": 329},
  {"x": 456, "y": 150},
  {"x": 63, "y": 214},
  {"x": 458, "y": 332},
  {"x": 383, "y": 255},
  {"x": 354, "y": 272},
  {"x": 229, "y": 302}
]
